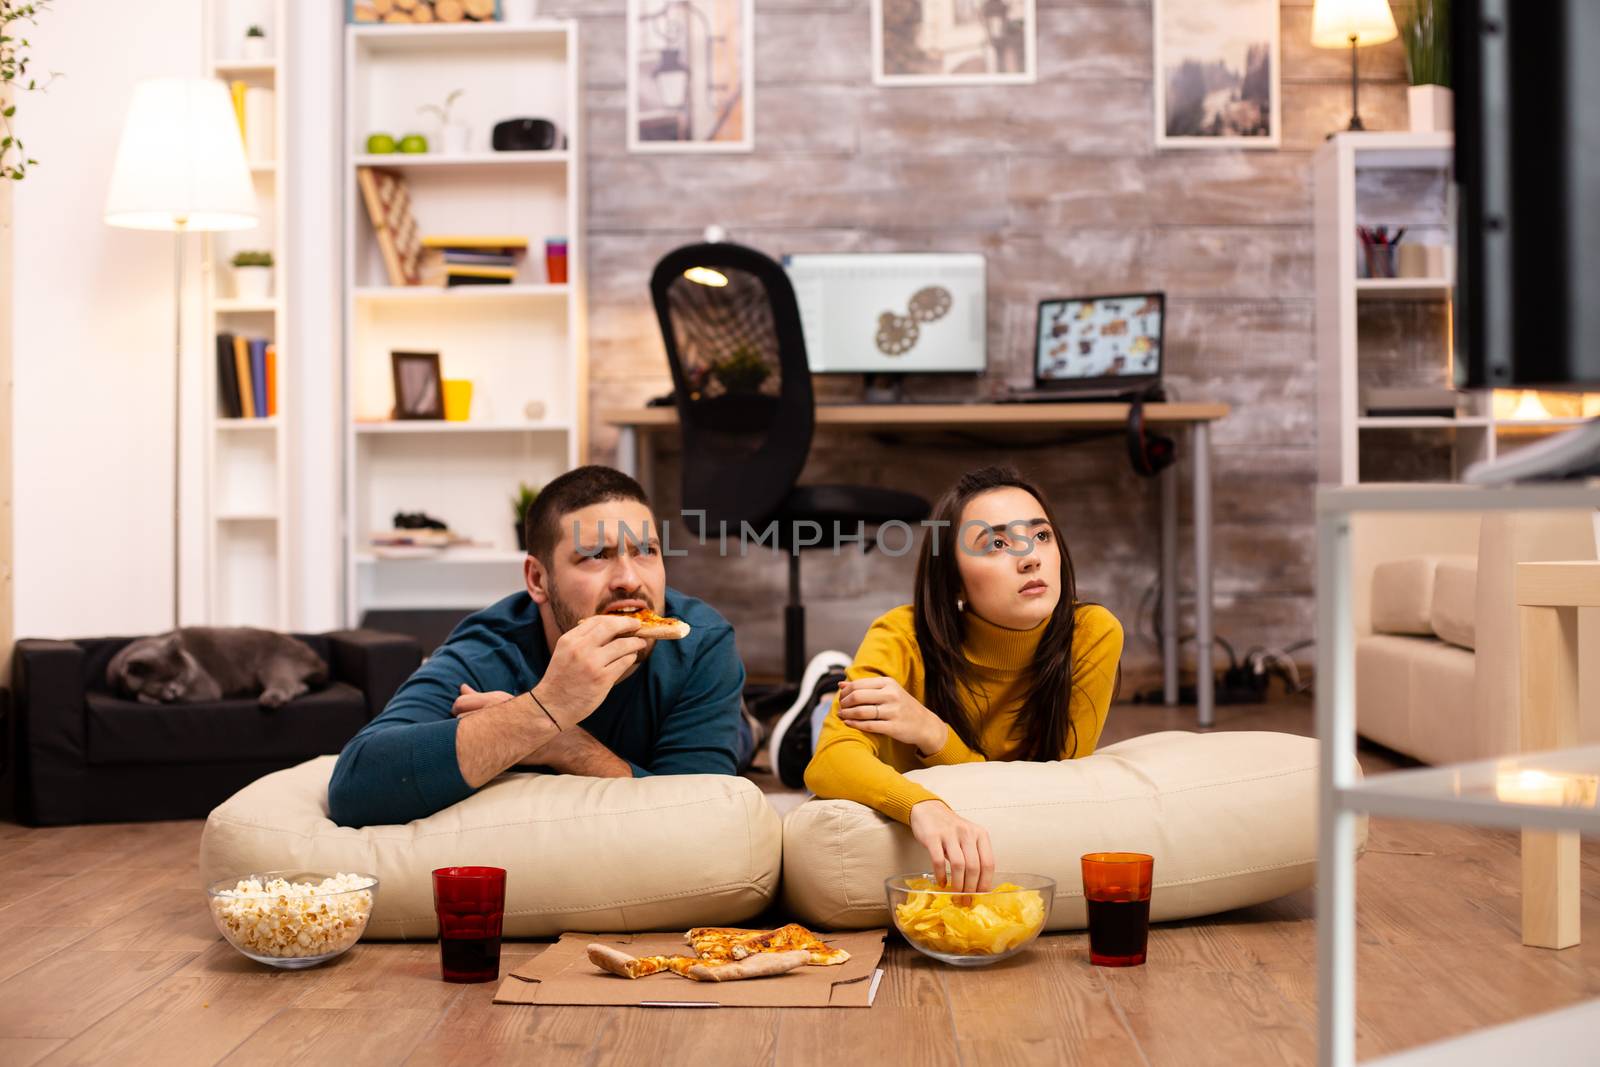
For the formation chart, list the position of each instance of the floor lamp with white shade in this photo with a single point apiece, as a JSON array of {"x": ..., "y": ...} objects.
[{"x": 180, "y": 166}]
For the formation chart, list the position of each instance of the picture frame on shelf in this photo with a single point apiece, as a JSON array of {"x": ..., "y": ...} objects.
[
  {"x": 418, "y": 385},
  {"x": 954, "y": 42},
  {"x": 672, "y": 105},
  {"x": 1218, "y": 70}
]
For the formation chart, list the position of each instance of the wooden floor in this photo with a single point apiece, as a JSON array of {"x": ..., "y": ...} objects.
[{"x": 107, "y": 955}]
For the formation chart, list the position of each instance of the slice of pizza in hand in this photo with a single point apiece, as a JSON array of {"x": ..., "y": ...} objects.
[{"x": 652, "y": 625}]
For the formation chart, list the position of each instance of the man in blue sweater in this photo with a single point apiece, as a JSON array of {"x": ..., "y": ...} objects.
[{"x": 511, "y": 685}]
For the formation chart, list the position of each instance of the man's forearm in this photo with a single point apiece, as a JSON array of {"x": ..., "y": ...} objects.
[
  {"x": 575, "y": 751},
  {"x": 496, "y": 738}
]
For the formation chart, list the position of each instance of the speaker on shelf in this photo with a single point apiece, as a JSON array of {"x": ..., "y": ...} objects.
[{"x": 524, "y": 135}]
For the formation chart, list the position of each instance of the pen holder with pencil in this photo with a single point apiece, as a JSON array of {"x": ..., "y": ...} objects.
[{"x": 1379, "y": 244}]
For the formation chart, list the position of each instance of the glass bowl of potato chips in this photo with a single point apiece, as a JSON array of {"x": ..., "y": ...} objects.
[{"x": 970, "y": 929}]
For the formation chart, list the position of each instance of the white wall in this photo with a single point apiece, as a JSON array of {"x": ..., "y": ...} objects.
[
  {"x": 92, "y": 340},
  {"x": 315, "y": 84},
  {"x": 93, "y": 336}
]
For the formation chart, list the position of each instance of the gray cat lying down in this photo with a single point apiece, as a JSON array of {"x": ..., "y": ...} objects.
[{"x": 201, "y": 663}]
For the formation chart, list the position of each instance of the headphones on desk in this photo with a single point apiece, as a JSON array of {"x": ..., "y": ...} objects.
[{"x": 1149, "y": 453}]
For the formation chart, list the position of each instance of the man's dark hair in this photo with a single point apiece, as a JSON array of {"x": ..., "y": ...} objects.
[{"x": 578, "y": 488}]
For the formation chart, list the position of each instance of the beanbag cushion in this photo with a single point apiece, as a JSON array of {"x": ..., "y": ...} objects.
[
  {"x": 1229, "y": 817},
  {"x": 609, "y": 855}
]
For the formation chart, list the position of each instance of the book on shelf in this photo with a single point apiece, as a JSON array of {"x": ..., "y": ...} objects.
[
  {"x": 259, "y": 120},
  {"x": 388, "y": 204},
  {"x": 465, "y": 275},
  {"x": 474, "y": 262},
  {"x": 473, "y": 259},
  {"x": 258, "y": 376},
  {"x": 237, "y": 89},
  {"x": 467, "y": 242},
  {"x": 241, "y": 361},
  {"x": 247, "y": 377},
  {"x": 272, "y": 380},
  {"x": 228, "y": 405},
  {"x": 452, "y": 281}
]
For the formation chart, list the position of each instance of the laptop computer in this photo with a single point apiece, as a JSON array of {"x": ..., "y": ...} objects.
[{"x": 1097, "y": 347}]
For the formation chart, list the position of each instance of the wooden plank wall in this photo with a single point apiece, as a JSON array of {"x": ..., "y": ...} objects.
[{"x": 1060, "y": 186}]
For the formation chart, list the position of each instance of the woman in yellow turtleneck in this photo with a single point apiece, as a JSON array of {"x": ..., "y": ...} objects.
[{"x": 995, "y": 660}]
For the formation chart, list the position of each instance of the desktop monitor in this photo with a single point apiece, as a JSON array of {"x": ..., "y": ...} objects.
[
  {"x": 890, "y": 313},
  {"x": 1099, "y": 342}
]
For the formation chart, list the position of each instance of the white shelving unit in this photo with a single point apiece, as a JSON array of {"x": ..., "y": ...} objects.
[
  {"x": 246, "y": 459},
  {"x": 1361, "y": 179},
  {"x": 1341, "y": 164},
  {"x": 1466, "y": 793},
  {"x": 523, "y": 346}
]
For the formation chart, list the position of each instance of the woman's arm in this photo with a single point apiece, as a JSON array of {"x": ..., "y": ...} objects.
[{"x": 848, "y": 765}]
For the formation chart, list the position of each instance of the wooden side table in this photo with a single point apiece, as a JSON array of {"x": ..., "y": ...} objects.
[{"x": 1548, "y": 598}]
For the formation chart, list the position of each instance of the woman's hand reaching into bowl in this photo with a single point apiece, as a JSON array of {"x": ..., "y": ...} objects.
[
  {"x": 882, "y": 706},
  {"x": 954, "y": 844}
]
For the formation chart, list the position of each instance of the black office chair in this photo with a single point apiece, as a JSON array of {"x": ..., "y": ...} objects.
[{"x": 746, "y": 412}]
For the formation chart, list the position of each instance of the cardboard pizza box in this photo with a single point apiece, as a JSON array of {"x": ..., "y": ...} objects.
[{"x": 562, "y": 974}]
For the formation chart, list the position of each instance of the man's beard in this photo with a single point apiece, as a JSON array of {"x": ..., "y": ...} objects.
[{"x": 566, "y": 618}]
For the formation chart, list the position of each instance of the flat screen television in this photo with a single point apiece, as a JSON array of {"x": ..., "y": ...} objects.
[{"x": 1527, "y": 120}]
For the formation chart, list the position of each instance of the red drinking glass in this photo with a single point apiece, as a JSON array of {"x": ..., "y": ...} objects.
[
  {"x": 471, "y": 904},
  {"x": 1116, "y": 886}
]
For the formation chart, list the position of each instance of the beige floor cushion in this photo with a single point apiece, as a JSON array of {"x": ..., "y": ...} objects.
[
  {"x": 1229, "y": 817},
  {"x": 594, "y": 854}
]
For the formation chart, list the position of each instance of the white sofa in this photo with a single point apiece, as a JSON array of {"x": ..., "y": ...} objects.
[{"x": 1437, "y": 641}]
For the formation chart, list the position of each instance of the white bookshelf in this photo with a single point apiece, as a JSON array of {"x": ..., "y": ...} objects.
[
  {"x": 246, "y": 459},
  {"x": 1485, "y": 423},
  {"x": 523, "y": 346}
]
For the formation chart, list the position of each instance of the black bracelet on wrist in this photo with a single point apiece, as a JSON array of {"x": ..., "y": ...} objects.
[{"x": 546, "y": 711}]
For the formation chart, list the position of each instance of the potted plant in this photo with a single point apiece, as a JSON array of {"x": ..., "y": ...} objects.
[
  {"x": 520, "y": 503},
  {"x": 14, "y": 59},
  {"x": 252, "y": 275},
  {"x": 742, "y": 372},
  {"x": 1425, "y": 32},
  {"x": 255, "y": 43},
  {"x": 454, "y": 135}
]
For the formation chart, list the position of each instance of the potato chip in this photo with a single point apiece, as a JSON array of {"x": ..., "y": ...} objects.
[{"x": 969, "y": 924}]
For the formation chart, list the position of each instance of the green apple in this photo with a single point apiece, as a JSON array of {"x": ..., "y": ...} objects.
[
  {"x": 380, "y": 144},
  {"x": 413, "y": 143}
]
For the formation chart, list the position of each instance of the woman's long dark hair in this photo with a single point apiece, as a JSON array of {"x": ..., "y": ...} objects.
[{"x": 1043, "y": 726}]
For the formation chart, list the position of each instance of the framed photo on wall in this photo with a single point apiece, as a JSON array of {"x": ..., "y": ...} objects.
[
  {"x": 953, "y": 42},
  {"x": 418, "y": 390},
  {"x": 1217, "y": 73},
  {"x": 691, "y": 75}
]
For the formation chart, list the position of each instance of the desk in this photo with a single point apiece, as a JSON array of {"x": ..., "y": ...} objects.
[{"x": 634, "y": 456}]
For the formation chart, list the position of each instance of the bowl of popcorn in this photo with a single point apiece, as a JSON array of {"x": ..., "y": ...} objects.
[
  {"x": 292, "y": 919},
  {"x": 970, "y": 929}
]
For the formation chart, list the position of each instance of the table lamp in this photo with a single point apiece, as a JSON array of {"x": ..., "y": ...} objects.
[
  {"x": 180, "y": 166},
  {"x": 1352, "y": 23}
]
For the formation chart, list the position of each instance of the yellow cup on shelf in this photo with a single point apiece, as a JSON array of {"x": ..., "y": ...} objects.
[{"x": 457, "y": 399}]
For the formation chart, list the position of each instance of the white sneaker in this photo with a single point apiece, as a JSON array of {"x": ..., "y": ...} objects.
[{"x": 789, "y": 762}]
